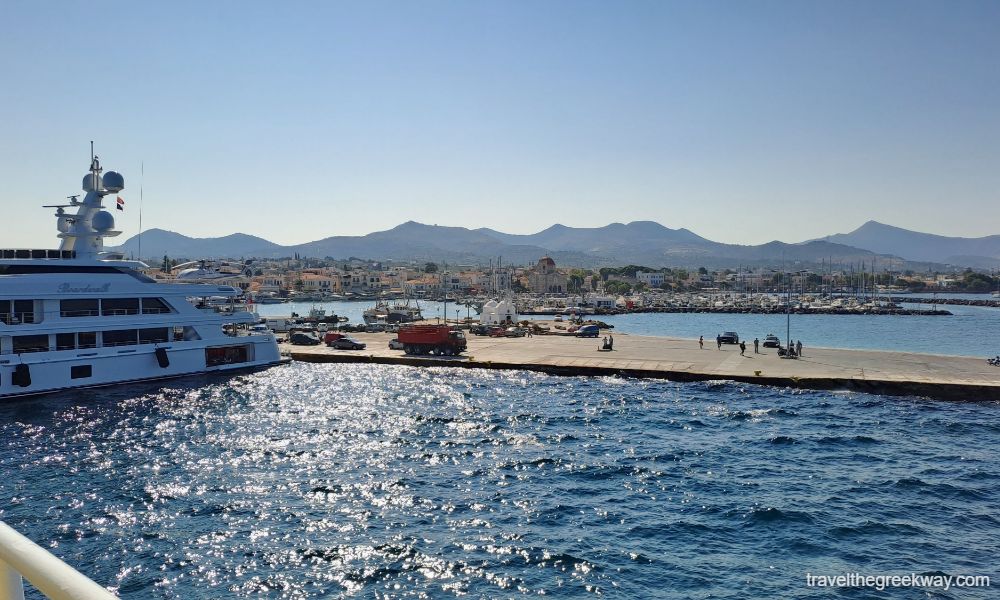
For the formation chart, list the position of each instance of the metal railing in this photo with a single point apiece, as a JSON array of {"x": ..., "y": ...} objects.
[
  {"x": 17, "y": 318},
  {"x": 21, "y": 557}
]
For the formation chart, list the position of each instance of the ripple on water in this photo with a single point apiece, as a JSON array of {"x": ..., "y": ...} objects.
[{"x": 328, "y": 480}]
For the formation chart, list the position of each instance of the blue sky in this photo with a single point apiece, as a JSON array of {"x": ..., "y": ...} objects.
[{"x": 742, "y": 121}]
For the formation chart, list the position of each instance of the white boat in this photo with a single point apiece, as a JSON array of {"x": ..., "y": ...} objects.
[{"x": 81, "y": 317}]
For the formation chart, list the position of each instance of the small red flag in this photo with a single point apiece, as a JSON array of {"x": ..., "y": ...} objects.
[{"x": 121, "y": 203}]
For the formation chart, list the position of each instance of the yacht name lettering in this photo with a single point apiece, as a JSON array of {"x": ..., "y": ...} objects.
[{"x": 67, "y": 288}]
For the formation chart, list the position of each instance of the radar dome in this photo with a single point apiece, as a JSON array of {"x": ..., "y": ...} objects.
[
  {"x": 103, "y": 221},
  {"x": 114, "y": 182},
  {"x": 89, "y": 182}
]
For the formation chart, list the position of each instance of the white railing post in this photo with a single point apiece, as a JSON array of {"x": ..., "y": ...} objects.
[
  {"x": 47, "y": 573},
  {"x": 11, "y": 586}
]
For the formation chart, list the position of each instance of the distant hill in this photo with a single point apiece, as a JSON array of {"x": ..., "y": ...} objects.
[
  {"x": 640, "y": 242},
  {"x": 980, "y": 252},
  {"x": 416, "y": 241},
  {"x": 157, "y": 242}
]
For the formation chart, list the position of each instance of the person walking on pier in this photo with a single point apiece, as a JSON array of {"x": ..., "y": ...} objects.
[
  {"x": 701, "y": 342},
  {"x": 798, "y": 347},
  {"x": 756, "y": 346},
  {"x": 743, "y": 347},
  {"x": 718, "y": 341}
]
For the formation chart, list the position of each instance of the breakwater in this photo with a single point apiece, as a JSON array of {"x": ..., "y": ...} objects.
[
  {"x": 675, "y": 359},
  {"x": 765, "y": 310},
  {"x": 986, "y": 303}
]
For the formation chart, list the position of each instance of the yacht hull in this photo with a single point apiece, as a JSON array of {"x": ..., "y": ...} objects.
[{"x": 53, "y": 371}]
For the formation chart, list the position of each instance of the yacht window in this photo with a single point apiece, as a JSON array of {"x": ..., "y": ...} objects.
[
  {"x": 65, "y": 341},
  {"x": 5, "y": 312},
  {"x": 154, "y": 336},
  {"x": 24, "y": 311},
  {"x": 80, "y": 372},
  {"x": 119, "y": 306},
  {"x": 226, "y": 355},
  {"x": 30, "y": 343},
  {"x": 79, "y": 308},
  {"x": 86, "y": 339},
  {"x": 154, "y": 306},
  {"x": 121, "y": 337}
]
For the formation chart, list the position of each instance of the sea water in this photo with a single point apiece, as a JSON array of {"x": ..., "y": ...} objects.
[{"x": 311, "y": 481}]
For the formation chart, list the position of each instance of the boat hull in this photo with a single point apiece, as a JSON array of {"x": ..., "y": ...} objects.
[{"x": 53, "y": 371}]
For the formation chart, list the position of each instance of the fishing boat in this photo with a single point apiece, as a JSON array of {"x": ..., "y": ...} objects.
[{"x": 383, "y": 313}]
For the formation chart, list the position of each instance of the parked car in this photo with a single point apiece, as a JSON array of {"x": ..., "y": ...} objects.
[
  {"x": 479, "y": 330},
  {"x": 588, "y": 331},
  {"x": 730, "y": 337},
  {"x": 772, "y": 341},
  {"x": 331, "y": 336},
  {"x": 347, "y": 343},
  {"x": 516, "y": 332},
  {"x": 300, "y": 338},
  {"x": 395, "y": 344}
]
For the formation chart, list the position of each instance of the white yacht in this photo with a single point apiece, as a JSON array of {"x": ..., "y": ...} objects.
[{"x": 81, "y": 317}]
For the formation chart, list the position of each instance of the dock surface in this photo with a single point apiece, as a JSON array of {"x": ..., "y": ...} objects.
[{"x": 676, "y": 359}]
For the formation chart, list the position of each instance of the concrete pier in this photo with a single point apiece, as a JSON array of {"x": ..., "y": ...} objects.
[{"x": 897, "y": 373}]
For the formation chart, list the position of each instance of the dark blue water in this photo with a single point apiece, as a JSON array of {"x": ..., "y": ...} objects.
[{"x": 311, "y": 481}]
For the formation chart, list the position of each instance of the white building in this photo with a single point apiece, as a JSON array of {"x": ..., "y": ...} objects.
[{"x": 653, "y": 280}]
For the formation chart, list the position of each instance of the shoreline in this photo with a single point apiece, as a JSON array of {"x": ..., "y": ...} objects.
[{"x": 677, "y": 359}]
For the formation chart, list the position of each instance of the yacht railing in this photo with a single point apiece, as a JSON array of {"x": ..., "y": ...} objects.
[{"x": 21, "y": 557}]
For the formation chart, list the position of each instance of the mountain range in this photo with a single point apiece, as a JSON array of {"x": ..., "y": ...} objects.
[
  {"x": 639, "y": 242},
  {"x": 983, "y": 252}
]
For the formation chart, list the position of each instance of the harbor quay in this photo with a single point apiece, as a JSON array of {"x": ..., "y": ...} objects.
[{"x": 677, "y": 359}]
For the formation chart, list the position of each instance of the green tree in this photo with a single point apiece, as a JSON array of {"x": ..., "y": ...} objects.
[
  {"x": 431, "y": 268},
  {"x": 617, "y": 287}
]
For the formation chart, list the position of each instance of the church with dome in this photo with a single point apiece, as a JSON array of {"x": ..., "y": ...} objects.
[{"x": 544, "y": 278}]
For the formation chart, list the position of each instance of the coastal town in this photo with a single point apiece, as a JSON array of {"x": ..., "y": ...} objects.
[{"x": 546, "y": 287}]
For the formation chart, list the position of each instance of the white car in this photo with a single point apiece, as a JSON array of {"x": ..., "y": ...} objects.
[{"x": 395, "y": 344}]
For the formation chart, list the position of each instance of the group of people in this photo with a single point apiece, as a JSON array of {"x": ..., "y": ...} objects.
[
  {"x": 609, "y": 342},
  {"x": 795, "y": 350}
]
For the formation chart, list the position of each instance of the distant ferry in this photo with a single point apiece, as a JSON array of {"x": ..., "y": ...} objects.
[{"x": 81, "y": 317}]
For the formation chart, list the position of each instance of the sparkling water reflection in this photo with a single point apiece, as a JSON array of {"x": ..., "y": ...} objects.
[{"x": 325, "y": 480}]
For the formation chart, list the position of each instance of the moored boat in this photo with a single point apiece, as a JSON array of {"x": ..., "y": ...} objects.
[{"x": 80, "y": 316}]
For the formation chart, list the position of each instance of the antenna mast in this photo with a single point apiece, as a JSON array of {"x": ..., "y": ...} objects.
[{"x": 142, "y": 176}]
